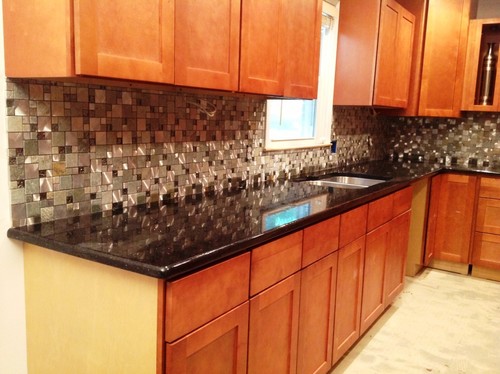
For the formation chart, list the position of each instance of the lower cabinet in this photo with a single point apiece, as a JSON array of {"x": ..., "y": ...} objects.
[
  {"x": 273, "y": 331},
  {"x": 486, "y": 245},
  {"x": 450, "y": 219},
  {"x": 378, "y": 244},
  {"x": 317, "y": 307},
  {"x": 218, "y": 347},
  {"x": 348, "y": 300},
  {"x": 397, "y": 250}
]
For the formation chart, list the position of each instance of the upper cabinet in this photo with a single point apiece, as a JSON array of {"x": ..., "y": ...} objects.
[
  {"x": 184, "y": 42},
  {"x": 108, "y": 44},
  {"x": 444, "y": 58},
  {"x": 113, "y": 39},
  {"x": 482, "y": 77},
  {"x": 374, "y": 54},
  {"x": 280, "y": 47},
  {"x": 207, "y": 43},
  {"x": 406, "y": 54}
]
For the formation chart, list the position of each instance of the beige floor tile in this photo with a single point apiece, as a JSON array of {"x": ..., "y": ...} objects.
[{"x": 441, "y": 323}]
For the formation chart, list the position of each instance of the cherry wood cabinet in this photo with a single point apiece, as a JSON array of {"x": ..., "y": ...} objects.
[
  {"x": 219, "y": 346},
  {"x": 396, "y": 256},
  {"x": 373, "y": 304},
  {"x": 106, "y": 39},
  {"x": 280, "y": 47},
  {"x": 273, "y": 330},
  {"x": 275, "y": 261},
  {"x": 444, "y": 58},
  {"x": 349, "y": 293},
  {"x": 198, "y": 298},
  {"x": 486, "y": 249},
  {"x": 353, "y": 225},
  {"x": 108, "y": 44},
  {"x": 207, "y": 43},
  {"x": 315, "y": 245},
  {"x": 317, "y": 307},
  {"x": 374, "y": 54},
  {"x": 450, "y": 217},
  {"x": 481, "y": 32}
]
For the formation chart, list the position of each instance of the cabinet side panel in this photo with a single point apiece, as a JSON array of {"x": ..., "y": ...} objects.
[
  {"x": 85, "y": 317},
  {"x": 52, "y": 47}
]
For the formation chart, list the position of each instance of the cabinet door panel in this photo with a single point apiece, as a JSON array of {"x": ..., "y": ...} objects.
[
  {"x": 348, "y": 298},
  {"x": 353, "y": 225},
  {"x": 317, "y": 306},
  {"x": 320, "y": 240},
  {"x": 200, "y": 297},
  {"x": 373, "y": 301},
  {"x": 386, "y": 64},
  {"x": 275, "y": 261},
  {"x": 108, "y": 44},
  {"x": 207, "y": 46},
  {"x": 380, "y": 212},
  {"x": 490, "y": 187},
  {"x": 451, "y": 210},
  {"x": 303, "y": 44},
  {"x": 396, "y": 257},
  {"x": 486, "y": 251},
  {"x": 444, "y": 57},
  {"x": 220, "y": 346},
  {"x": 274, "y": 319},
  {"x": 488, "y": 216},
  {"x": 403, "y": 55},
  {"x": 262, "y": 47}
]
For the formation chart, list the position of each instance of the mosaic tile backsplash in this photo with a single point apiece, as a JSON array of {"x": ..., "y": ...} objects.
[
  {"x": 80, "y": 148},
  {"x": 77, "y": 149},
  {"x": 473, "y": 140}
]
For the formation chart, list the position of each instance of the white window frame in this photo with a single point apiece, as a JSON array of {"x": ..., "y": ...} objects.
[{"x": 324, "y": 101}]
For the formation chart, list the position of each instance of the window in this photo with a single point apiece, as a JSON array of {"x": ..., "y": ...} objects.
[{"x": 307, "y": 123}]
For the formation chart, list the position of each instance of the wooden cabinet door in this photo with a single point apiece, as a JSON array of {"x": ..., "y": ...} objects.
[
  {"x": 317, "y": 307},
  {"x": 200, "y": 297},
  {"x": 207, "y": 43},
  {"x": 274, "y": 261},
  {"x": 444, "y": 58},
  {"x": 263, "y": 27},
  {"x": 373, "y": 301},
  {"x": 320, "y": 240},
  {"x": 125, "y": 39},
  {"x": 353, "y": 225},
  {"x": 394, "y": 55},
  {"x": 488, "y": 216},
  {"x": 303, "y": 36},
  {"x": 218, "y": 347},
  {"x": 274, "y": 320},
  {"x": 486, "y": 252},
  {"x": 395, "y": 264},
  {"x": 348, "y": 297},
  {"x": 450, "y": 217}
]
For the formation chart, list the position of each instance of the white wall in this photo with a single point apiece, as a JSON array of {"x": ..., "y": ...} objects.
[
  {"x": 12, "y": 308},
  {"x": 488, "y": 9}
]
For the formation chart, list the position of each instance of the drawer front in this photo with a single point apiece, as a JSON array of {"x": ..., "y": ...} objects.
[
  {"x": 488, "y": 216},
  {"x": 198, "y": 298},
  {"x": 486, "y": 252},
  {"x": 320, "y": 240},
  {"x": 275, "y": 261},
  {"x": 352, "y": 225},
  {"x": 379, "y": 212},
  {"x": 490, "y": 187},
  {"x": 402, "y": 201}
]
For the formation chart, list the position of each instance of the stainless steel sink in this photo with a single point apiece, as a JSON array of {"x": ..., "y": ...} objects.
[{"x": 342, "y": 181}]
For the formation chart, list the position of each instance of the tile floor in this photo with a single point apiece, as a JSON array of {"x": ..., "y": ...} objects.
[{"x": 441, "y": 323}]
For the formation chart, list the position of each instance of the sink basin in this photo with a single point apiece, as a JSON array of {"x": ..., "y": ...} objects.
[{"x": 343, "y": 181}]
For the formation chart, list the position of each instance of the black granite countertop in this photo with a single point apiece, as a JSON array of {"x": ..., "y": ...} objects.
[{"x": 170, "y": 240}]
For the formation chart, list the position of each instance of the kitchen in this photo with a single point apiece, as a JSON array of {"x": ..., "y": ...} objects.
[{"x": 230, "y": 147}]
